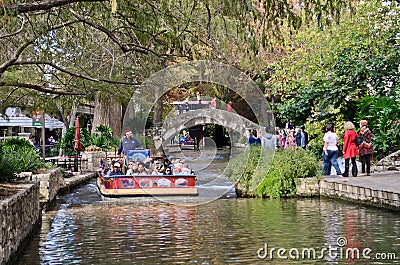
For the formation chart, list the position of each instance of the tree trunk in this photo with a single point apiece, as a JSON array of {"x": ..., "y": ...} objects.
[
  {"x": 115, "y": 117},
  {"x": 157, "y": 112},
  {"x": 108, "y": 111}
]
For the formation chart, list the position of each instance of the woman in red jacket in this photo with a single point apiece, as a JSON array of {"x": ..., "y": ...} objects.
[{"x": 350, "y": 150}]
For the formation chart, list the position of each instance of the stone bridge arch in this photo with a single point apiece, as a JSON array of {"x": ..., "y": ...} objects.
[{"x": 163, "y": 133}]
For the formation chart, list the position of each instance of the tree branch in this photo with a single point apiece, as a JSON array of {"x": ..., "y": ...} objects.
[
  {"x": 14, "y": 33},
  {"x": 127, "y": 47},
  {"x": 21, "y": 48},
  {"x": 40, "y": 88},
  {"x": 75, "y": 74},
  {"x": 17, "y": 53},
  {"x": 21, "y": 8}
]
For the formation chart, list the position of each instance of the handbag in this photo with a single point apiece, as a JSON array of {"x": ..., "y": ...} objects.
[{"x": 358, "y": 140}]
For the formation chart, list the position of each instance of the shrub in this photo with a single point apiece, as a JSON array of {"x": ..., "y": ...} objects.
[
  {"x": 103, "y": 138},
  {"x": 383, "y": 115},
  {"x": 6, "y": 170},
  {"x": 288, "y": 166},
  {"x": 17, "y": 142},
  {"x": 68, "y": 142},
  {"x": 276, "y": 180},
  {"x": 17, "y": 155}
]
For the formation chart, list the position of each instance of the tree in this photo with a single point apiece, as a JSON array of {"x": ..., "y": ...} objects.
[
  {"x": 347, "y": 72},
  {"x": 94, "y": 51}
]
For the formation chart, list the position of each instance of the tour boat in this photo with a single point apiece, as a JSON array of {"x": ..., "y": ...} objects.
[
  {"x": 122, "y": 185},
  {"x": 145, "y": 185}
]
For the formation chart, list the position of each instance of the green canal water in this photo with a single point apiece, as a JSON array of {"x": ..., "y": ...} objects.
[{"x": 83, "y": 229}]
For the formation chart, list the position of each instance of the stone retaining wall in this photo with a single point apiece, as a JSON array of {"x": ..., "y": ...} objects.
[
  {"x": 91, "y": 160},
  {"x": 19, "y": 215},
  {"x": 50, "y": 183},
  {"x": 362, "y": 194},
  {"x": 314, "y": 187}
]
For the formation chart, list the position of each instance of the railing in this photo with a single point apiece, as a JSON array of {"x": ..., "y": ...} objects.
[{"x": 67, "y": 162}]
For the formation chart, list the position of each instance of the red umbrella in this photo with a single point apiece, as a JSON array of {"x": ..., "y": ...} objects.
[{"x": 77, "y": 145}]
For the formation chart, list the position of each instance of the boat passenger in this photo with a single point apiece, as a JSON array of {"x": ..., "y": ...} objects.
[
  {"x": 141, "y": 170},
  {"x": 166, "y": 163},
  {"x": 117, "y": 169},
  {"x": 132, "y": 168},
  {"x": 185, "y": 169},
  {"x": 157, "y": 168},
  {"x": 108, "y": 171},
  {"x": 168, "y": 171},
  {"x": 177, "y": 168}
]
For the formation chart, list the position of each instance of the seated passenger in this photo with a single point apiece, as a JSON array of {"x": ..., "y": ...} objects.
[
  {"x": 116, "y": 170},
  {"x": 140, "y": 170},
  {"x": 132, "y": 168},
  {"x": 148, "y": 167},
  {"x": 166, "y": 163},
  {"x": 168, "y": 171},
  {"x": 157, "y": 169},
  {"x": 185, "y": 169},
  {"x": 177, "y": 169}
]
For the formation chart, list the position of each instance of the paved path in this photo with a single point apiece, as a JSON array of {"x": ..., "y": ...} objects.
[
  {"x": 381, "y": 188},
  {"x": 386, "y": 181}
]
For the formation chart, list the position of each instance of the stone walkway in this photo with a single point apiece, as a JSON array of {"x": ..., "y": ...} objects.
[
  {"x": 385, "y": 181},
  {"x": 381, "y": 189}
]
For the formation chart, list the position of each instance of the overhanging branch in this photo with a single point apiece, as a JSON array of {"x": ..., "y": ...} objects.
[
  {"x": 43, "y": 89},
  {"x": 71, "y": 73},
  {"x": 33, "y": 6}
]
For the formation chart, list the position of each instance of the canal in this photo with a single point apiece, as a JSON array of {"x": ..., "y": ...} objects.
[{"x": 82, "y": 228}]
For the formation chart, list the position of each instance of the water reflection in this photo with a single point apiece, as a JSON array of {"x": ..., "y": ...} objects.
[{"x": 222, "y": 232}]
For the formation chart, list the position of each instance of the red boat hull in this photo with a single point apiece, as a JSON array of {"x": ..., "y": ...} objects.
[{"x": 122, "y": 185}]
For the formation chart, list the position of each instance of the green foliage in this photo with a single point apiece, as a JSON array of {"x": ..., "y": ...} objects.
[
  {"x": 17, "y": 155},
  {"x": 278, "y": 180},
  {"x": 17, "y": 142},
  {"x": 103, "y": 138},
  {"x": 289, "y": 165},
  {"x": 345, "y": 73},
  {"x": 6, "y": 170},
  {"x": 243, "y": 173},
  {"x": 383, "y": 115},
  {"x": 68, "y": 142}
]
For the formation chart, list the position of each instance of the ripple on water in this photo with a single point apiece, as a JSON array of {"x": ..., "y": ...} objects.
[{"x": 220, "y": 232}]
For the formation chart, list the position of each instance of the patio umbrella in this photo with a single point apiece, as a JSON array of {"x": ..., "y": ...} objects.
[{"x": 77, "y": 146}]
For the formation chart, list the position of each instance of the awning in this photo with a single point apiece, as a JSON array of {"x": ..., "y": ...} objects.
[{"x": 17, "y": 119}]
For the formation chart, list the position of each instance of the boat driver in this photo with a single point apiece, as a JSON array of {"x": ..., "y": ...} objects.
[{"x": 128, "y": 143}]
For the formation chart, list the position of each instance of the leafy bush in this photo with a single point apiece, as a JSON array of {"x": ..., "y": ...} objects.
[
  {"x": 17, "y": 142},
  {"x": 237, "y": 172},
  {"x": 103, "y": 138},
  {"x": 277, "y": 180},
  {"x": 18, "y": 155},
  {"x": 288, "y": 166},
  {"x": 383, "y": 115},
  {"x": 68, "y": 142},
  {"x": 6, "y": 170}
]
